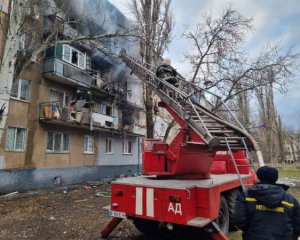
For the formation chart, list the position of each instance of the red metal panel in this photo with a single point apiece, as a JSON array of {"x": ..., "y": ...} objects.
[
  {"x": 153, "y": 163},
  {"x": 145, "y": 202},
  {"x": 219, "y": 167},
  {"x": 241, "y": 158},
  {"x": 183, "y": 159},
  {"x": 119, "y": 197},
  {"x": 180, "y": 205},
  {"x": 208, "y": 202}
]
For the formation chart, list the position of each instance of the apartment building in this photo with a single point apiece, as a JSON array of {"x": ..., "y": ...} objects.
[
  {"x": 75, "y": 116},
  {"x": 292, "y": 150}
]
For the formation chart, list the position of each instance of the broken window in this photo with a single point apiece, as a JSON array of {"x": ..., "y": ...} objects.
[
  {"x": 15, "y": 139},
  {"x": 88, "y": 144},
  {"x": 58, "y": 142},
  {"x": 74, "y": 59},
  {"x": 74, "y": 56},
  {"x": 108, "y": 110}
]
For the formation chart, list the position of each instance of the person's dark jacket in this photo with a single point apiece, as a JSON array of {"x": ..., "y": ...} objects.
[
  {"x": 267, "y": 212},
  {"x": 167, "y": 73}
]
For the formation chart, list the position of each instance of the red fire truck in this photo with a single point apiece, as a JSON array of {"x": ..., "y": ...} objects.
[{"x": 194, "y": 180}]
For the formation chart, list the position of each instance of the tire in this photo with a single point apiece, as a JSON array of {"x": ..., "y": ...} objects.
[
  {"x": 146, "y": 226},
  {"x": 223, "y": 219},
  {"x": 231, "y": 198}
]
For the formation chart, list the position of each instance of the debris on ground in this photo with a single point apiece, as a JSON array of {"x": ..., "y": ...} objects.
[
  {"x": 103, "y": 194},
  {"x": 86, "y": 187},
  {"x": 95, "y": 183},
  {"x": 83, "y": 200},
  {"x": 10, "y": 194},
  {"x": 51, "y": 214},
  {"x": 290, "y": 181}
]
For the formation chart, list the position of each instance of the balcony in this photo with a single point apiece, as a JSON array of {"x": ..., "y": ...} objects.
[
  {"x": 54, "y": 112},
  {"x": 63, "y": 72}
]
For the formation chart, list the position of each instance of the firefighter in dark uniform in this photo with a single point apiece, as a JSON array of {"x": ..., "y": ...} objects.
[
  {"x": 166, "y": 72},
  {"x": 266, "y": 211}
]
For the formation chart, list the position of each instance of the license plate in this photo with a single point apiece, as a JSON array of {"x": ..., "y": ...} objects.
[{"x": 111, "y": 213}]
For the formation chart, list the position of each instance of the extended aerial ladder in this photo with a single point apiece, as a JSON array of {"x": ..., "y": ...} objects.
[
  {"x": 203, "y": 138},
  {"x": 189, "y": 103}
]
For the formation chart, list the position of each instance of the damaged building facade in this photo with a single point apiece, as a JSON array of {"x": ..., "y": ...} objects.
[{"x": 75, "y": 116}]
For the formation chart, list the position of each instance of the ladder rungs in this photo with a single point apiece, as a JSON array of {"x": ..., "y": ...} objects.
[
  {"x": 215, "y": 125},
  {"x": 222, "y": 131},
  {"x": 230, "y": 141},
  {"x": 230, "y": 138}
]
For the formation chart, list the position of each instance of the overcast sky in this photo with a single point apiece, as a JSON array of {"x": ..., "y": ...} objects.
[{"x": 274, "y": 20}]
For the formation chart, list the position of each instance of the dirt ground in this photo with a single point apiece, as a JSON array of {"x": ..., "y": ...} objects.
[
  {"x": 74, "y": 212},
  {"x": 64, "y": 213}
]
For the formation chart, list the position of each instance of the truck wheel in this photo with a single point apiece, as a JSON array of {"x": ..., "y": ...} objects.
[
  {"x": 223, "y": 219},
  {"x": 231, "y": 197},
  {"x": 146, "y": 226}
]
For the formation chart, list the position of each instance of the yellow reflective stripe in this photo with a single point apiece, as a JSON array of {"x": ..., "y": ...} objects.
[
  {"x": 250, "y": 199},
  {"x": 287, "y": 203},
  {"x": 169, "y": 77},
  {"x": 264, "y": 208}
]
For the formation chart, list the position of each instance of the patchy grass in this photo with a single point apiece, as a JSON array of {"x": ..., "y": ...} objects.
[{"x": 289, "y": 173}]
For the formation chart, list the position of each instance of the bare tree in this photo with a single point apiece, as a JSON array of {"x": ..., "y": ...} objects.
[
  {"x": 155, "y": 22},
  {"x": 27, "y": 36},
  {"x": 269, "y": 118},
  {"x": 219, "y": 62},
  {"x": 281, "y": 138}
]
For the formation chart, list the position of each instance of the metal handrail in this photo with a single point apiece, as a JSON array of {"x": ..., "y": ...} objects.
[{"x": 199, "y": 117}]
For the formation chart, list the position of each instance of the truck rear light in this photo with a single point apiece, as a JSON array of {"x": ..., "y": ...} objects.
[
  {"x": 175, "y": 199},
  {"x": 119, "y": 193}
]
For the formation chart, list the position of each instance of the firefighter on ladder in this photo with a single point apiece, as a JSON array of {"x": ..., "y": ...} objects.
[{"x": 166, "y": 72}]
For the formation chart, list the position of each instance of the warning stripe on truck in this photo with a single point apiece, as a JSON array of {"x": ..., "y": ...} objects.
[{"x": 139, "y": 198}]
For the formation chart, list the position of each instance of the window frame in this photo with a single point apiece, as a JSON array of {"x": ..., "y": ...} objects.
[
  {"x": 69, "y": 60},
  {"x": 61, "y": 142},
  {"x": 66, "y": 96},
  {"x": 86, "y": 144},
  {"x": 24, "y": 140},
  {"x": 125, "y": 148},
  {"x": 19, "y": 90},
  {"x": 111, "y": 146}
]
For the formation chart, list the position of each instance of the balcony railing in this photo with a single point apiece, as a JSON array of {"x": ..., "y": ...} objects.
[
  {"x": 64, "y": 72},
  {"x": 54, "y": 111}
]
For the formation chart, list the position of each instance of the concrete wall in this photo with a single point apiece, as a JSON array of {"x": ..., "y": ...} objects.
[
  {"x": 75, "y": 156},
  {"x": 117, "y": 157},
  {"x": 27, "y": 179}
]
